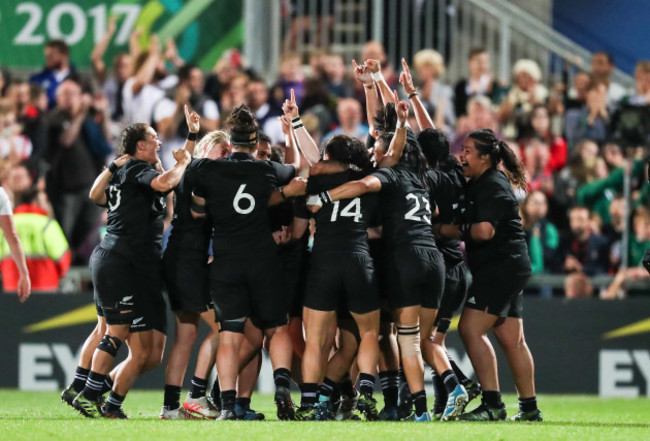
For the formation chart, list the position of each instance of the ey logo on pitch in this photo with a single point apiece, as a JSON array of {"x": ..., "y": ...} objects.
[
  {"x": 36, "y": 363},
  {"x": 624, "y": 373}
]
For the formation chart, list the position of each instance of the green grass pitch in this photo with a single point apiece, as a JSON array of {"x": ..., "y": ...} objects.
[{"x": 41, "y": 416}]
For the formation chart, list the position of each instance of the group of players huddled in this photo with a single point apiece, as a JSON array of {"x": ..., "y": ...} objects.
[{"x": 344, "y": 265}]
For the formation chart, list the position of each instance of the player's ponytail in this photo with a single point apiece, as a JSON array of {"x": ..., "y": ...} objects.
[
  {"x": 243, "y": 127},
  {"x": 486, "y": 143}
]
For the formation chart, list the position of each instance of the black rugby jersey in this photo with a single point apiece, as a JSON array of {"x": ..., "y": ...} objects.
[
  {"x": 135, "y": 210},
  {"x": 187, "y": 232},
  {"x": 405, "y": 208},
  {"x": 237, "y": 190},
  {"x": 445, "y": 188},
  {"x": 490, "y": 198},
  {"x": 342, "y": 225}
]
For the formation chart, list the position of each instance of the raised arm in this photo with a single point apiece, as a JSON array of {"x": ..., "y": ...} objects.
[
  {"x": 398, "y": 142},
  {"x": 421, "y": 114},
  {"x": 349, "y": 190},
  {"x": 193, "y": 121},
  {"x": 374, "y": 66},
  {"x": 97, "y": 55},
  {"x": 304, "y": 142},
  {"x": 170, "y": 179},
  {"x": 17, "y": 254},
  {"x": 97, "y": 192},
  {"x": 363, "y": 75},
  {"x": 148, "y": 69}
]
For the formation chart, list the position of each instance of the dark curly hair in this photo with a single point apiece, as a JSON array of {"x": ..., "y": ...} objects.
[
  {"x": 348, "y": 150},
  {"x": 486, "y": 143},
  {"x": 435, "y": 146},
  {"x": 243, "y": 127},
  {"x": 131, "y": 135}
]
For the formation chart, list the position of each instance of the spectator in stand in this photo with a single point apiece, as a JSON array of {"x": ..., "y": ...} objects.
[
  {"x": 122, "y": 68},
  {"x": 631, "y": 122},
  {"x": 257, "y": 98},
  {"x": 234, "y": 94},
  {"x": 574, "y": 101},
  {"x": 602, "y": 67},
  {"x": 523, "y": 95},
  {"x": 480, "y": 81},
  {"x": 585, "y": 165},
  {"x": 594, "y": 118},
  {"x": 374, "y": 50},
  {"x": 48, "y": 256},
  {"x": 349, "y": 114},
  {"x": 291, "y": 77},
  {"x": 338, "y": 83},
  {"x": 582, "y": 250},
  {"x": 640, "y": 237},
  {"x": 57, "y": 69},
  {"x": 14, "y": 146},
  {"x": 29, "y": 118},
  {"x": 18, "y": 181},
  {"x": 148, "y": 85},
  {"x": 542, "y": 236},
  {"x": 479, "y": 115},
  {"x": 169, "y": 114},
  {"x": 540, "y": 126},
  {"x": 537, "y": 162},
  {"x": 435, "y": 95},
  {"x": 613, "y": 229},
  {"x": 577, "y": 286},
  {"x": 74, "y": 159}
]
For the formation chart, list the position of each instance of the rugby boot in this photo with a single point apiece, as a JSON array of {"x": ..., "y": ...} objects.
[
  {"x": 485, "y": 413},
  {"x": 284, "y": 403},
  {"x": 456, "y": 403},
  {"x": 533, "y": 415}
]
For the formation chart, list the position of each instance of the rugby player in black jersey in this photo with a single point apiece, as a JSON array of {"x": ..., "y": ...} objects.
[
  {"x": 234, "y": 192},
  {"x": 185, "y": 264},
  {"x": 498, "y": 259},
  {"x": 415, "y": 268},
  {"x": 341, "y": 277},
  {"x": 445, "y": 186},
  {"x": 126, "y": 266}
]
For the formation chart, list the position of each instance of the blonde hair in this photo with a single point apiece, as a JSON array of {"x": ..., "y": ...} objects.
[
  {"x": 429, "y": 57},
  {"x": 211, "y": 138},
  {"x": 642, "y": 66},
  {"x": 530, "y": 67}
]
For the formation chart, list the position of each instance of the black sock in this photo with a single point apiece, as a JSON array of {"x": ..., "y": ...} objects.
[
  {"x": 198, "y": 387},
  {"x": 108, "y": 385},
  {"x": 402, "y": 376},
  {"x": 326, "y": 389},
  {"x": 172, "y": 398},
  {"x": 527, "y": 404},
  {"x": 440, "y": 401},
  {"x": 366, "y": 383},
  {"x": 216, "y": 392},
  {"x": 282, "y": 378},
  {"x": 80, "y": 376},
  {"x": 492, "y": 398},
  {"x": 244, "y": 403},
  {"x": 308, "y": 393},
  {"x": 346, "y": 387},
  {"x": 420, "y": 401},
  {"x": 462, "y": 378},
  {"x": 228, "y": 399},
  {"x": 114, "y": 401},
  {"x": 389, "y": 386},
  {"x": 450, "y": 380},
  {"x": 93, "y": 386},
  {"x": 335, "y": 397}
]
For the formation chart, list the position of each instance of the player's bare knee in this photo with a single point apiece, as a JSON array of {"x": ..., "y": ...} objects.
[{"x": 408, "y": 338}]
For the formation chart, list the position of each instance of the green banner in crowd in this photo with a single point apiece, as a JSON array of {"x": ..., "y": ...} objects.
[{"x": 202, "y": 29}]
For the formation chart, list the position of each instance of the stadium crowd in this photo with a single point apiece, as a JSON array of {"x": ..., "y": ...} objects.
[{"x": 60, "y": 126}]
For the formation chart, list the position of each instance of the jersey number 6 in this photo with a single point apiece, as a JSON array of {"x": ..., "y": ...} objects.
[{"x": 237, "y": 202}]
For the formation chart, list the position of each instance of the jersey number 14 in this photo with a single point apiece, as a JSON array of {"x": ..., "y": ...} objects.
[{"x": 353, "y": 209}]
